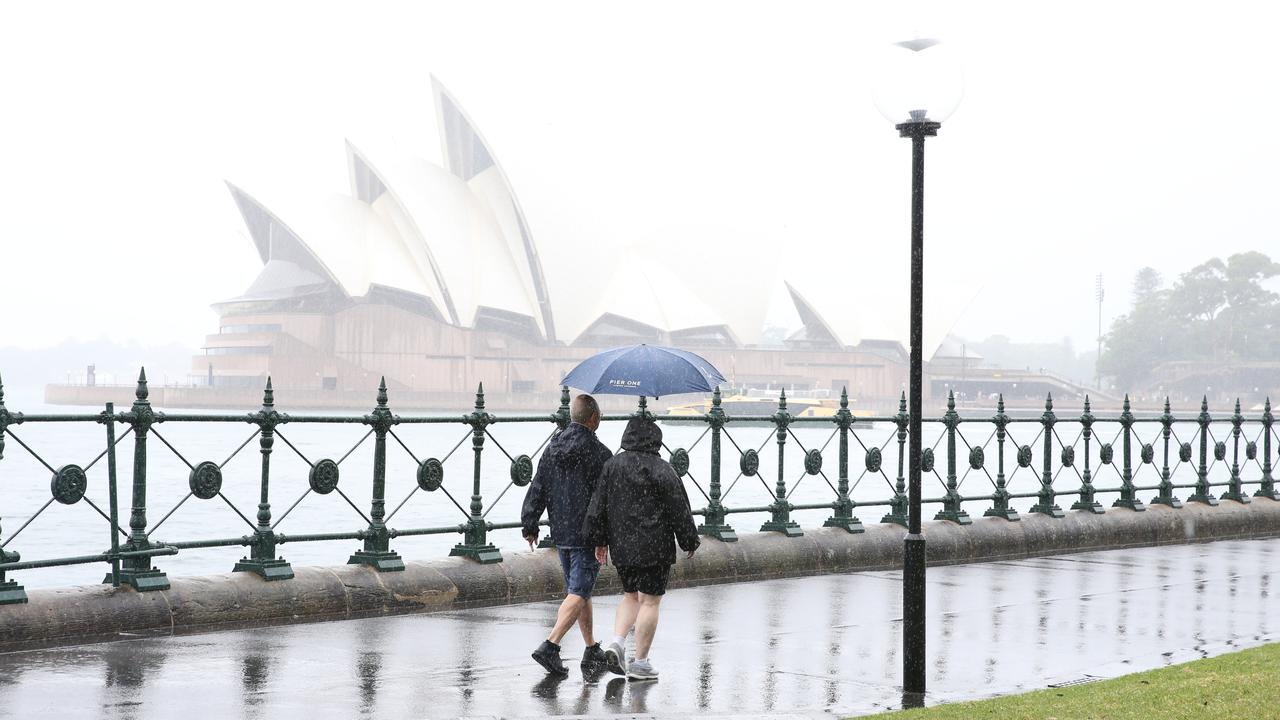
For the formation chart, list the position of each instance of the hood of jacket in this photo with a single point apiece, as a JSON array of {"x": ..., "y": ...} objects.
[
  {"x": 642, "y": 435},
  {"x": 577, "y": 442}
]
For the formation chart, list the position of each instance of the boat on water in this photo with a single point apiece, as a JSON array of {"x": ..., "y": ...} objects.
[{"x": 752, "y": 410}]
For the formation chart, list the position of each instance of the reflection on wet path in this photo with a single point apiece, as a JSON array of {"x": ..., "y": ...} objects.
[{"x": 811, "y": 647}]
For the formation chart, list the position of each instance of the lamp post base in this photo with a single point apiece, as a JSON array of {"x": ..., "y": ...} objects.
[{"x": 913, "y": 617}]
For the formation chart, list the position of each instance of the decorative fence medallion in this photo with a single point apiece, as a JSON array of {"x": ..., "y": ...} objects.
[
  {"x": 813, "y": 461},
  {"x": 430, "y": 474},
  {"x": 1024, "y": 456},
  {"x": 522, "y": 470},
  {"x": 926, "y": 460},
  {"x": 205, "y": 480},
  {"x": 1148, "y": 453},
  {"x": 1106, "y": 453},
  {"x": 874, "y": 459},
  {"x": 324, "y": 476},
  {"x": 1220, "y": 450},
  {"x": 680, "y": 461},
  {"x": 976, "y": 457},
  {"x": 69, "y": 484},
  {"x": 1068, "y": 456},
  {"x": 749, "y": 463},
  {"x": 1251, "y": 450},
  {"x": 1184, "y": 452}
]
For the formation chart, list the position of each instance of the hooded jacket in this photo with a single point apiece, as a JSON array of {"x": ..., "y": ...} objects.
[
  {"x": 566, "y": 478},
  {"x": 640, "y": 508}
]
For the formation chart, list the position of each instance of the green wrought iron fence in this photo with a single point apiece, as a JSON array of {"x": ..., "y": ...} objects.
[{"x": 1141, "y": 454}]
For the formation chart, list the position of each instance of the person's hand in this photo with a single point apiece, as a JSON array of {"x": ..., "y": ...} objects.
[
  {"x": 532, "y": 540},
  {"x": 689, "y": 555},
  {"x": 602, "y": 554}
]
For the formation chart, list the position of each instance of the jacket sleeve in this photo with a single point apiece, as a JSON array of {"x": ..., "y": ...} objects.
[
  {"x": 679, "y": 516},
  {"x": 535, "y": 500},
  {"x": 595, "y": 527}
]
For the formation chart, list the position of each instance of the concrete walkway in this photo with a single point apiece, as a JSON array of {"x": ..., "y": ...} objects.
[{"x": 809, "y": 647}]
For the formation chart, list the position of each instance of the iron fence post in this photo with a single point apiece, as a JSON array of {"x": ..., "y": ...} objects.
[
  {"x": 11, "y": 593},
  {"x": 113, "y": 501},
  {"x": 951, "y": 503},
  {"x": 1128, "y": 496},
  {"x": 713, "y": 524},
  {"x": 780, "y": 509},
  {"x": 137, "y": 570},
  {"x": 1087, "y": 501},
  {"x": 1000, "y": 499},
  {"x": 843, "y": 517},
  {"x": 1165, "y": 496},
  {"x": 1202, "y": 493},
  {"x": 898, "y": 504},
  {"x": 262, "y": 551},
  {"x": 377, "y": 552},
  {"x": 1235, "y": 491},
  {"x": 1268, "y": 486},
  {"x": 1046, "y": 504},
  {"x": 475, "y": 544}
]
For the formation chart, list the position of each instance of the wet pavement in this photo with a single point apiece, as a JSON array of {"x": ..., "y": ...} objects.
[{"x": 809, "y": 647}]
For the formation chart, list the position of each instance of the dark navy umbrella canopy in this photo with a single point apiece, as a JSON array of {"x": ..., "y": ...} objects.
[{"x": 644, "y": 370}]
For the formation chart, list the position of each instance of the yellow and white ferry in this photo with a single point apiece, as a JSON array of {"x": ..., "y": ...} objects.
[{"x": 748, "y": 409}]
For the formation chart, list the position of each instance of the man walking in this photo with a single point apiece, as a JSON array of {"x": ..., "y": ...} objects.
[
  {"x": 563, "y": 486},
  {"x": 639, "y": 511}
]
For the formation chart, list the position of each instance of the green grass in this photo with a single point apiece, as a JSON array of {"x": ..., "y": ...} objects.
[{"x": 1245, "y": 684}]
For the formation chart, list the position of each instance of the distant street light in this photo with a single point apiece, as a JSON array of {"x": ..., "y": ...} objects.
[
  {"x": 1097, "y": 359},
  {"x": 920, "y": 85}
]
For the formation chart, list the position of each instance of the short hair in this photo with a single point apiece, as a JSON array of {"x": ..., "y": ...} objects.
[{"x": 583, "y": 409}]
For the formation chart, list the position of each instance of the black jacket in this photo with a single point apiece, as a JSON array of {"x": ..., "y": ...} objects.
[
  {"x": 640, "y": 503},
  {"x": 566, "y": 478}
]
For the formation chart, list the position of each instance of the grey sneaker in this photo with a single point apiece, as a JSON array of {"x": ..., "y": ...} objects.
[
  {"x": 641, "y": 670},
  {"x": 615, "y": 658}
]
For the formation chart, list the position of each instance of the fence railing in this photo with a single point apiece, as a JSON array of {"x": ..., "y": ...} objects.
[{"x": 1054, "y": 456}]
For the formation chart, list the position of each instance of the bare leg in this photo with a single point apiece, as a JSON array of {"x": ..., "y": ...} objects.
[
  {"x": 646, "y": 624},
  {"x": 586, "y": 618},
  {"x": 566, "y": 617},
  {"x": 626, "y": 617}
]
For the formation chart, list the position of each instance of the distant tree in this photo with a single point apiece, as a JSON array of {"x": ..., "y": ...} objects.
[
  {"x": 1216, "y": 310},
  {"x": 1146, "y": 284}
]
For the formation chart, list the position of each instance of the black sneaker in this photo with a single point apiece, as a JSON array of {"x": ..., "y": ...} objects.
[
  {"x": 548, "y": 656},
  {"x": 593, "y": 656}
]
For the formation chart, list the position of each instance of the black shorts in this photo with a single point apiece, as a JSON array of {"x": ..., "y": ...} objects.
[{"x": 648, "y": 579}]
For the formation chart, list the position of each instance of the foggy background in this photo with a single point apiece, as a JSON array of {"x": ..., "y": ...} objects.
[{"x": 1093, "y": 138}]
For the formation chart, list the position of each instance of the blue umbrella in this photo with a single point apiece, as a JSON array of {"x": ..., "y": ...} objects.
[{"x": 644, "y": 370}]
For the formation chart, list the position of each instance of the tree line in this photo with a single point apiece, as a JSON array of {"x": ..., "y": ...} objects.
[{"x": 1216, "y": 311}]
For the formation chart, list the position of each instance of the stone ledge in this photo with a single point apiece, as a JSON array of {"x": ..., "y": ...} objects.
[{"x": 98, "y": 612}]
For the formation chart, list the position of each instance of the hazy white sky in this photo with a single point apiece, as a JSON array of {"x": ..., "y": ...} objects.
[{"x": 1094, "y": 137}]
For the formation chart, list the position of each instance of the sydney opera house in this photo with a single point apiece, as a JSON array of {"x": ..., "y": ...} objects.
[{"x": 432, "y": 277}]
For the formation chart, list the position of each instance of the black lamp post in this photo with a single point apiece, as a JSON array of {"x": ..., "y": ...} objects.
[{"x": 920, "y": 86}]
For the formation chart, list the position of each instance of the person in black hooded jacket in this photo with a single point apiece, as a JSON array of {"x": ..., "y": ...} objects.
[
  {"x": 639, "y": 512},
  {"x": 565, "y": 481}
]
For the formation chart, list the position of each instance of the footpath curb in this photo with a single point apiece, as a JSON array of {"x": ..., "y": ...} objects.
[{"x": 99, "y": 612}]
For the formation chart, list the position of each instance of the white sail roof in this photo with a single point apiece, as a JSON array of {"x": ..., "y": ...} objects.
[
  {"x": 449, "y": 232},
  {"x": 458, "y": 236}
]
